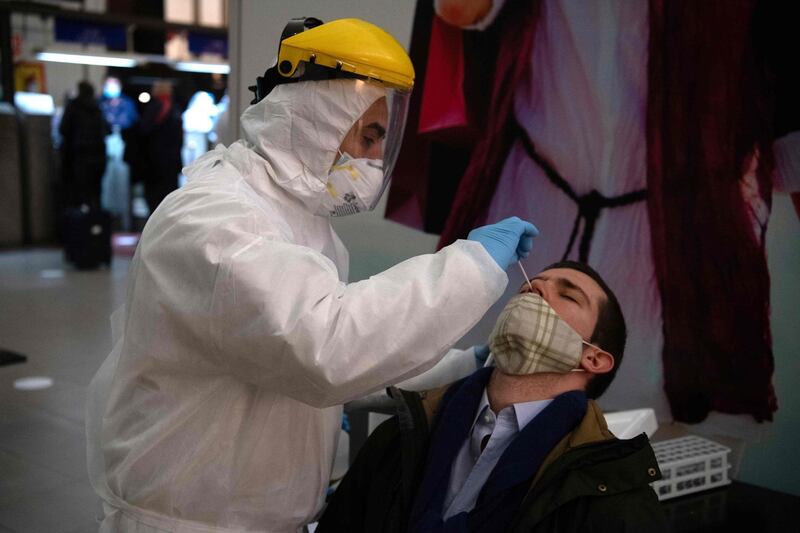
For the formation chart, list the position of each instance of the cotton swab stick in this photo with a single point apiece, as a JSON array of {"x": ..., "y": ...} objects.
[{"x": 526, "y": 275}]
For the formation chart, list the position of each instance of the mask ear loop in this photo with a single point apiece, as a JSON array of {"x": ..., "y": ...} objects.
[
  {"x": 599, "y": 349},
  {"x": 594, "y": 346}
]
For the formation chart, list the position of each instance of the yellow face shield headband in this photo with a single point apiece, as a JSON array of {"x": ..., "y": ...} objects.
[{"x": 345, "y": 48}]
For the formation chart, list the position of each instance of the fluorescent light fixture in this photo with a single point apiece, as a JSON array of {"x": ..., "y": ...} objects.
[
  {"x": 87, "y": 59},
  {"x": 197, "y": 66}
]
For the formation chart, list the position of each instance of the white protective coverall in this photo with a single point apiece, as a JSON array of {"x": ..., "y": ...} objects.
[{"x": 218, "y": 408}]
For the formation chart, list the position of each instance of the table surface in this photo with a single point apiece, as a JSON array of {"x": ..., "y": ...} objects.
[{"x": 735, "y": 507}]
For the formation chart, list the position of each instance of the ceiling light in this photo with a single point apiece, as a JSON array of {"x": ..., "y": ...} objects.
[
  {"x": 209, "y": 68},
  {"x": 87, "y": 59}
]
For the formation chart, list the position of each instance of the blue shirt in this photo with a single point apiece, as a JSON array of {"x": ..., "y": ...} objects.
[{"x": 472, "y": 467}]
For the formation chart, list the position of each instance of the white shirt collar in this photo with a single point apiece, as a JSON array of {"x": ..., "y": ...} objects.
[{"x": 524, "y": 411}]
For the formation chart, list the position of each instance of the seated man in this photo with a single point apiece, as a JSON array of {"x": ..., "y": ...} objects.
[{"x": 518, "y": 447}]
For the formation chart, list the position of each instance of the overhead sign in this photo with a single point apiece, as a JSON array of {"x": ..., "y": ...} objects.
[
  {"x": 113, "y": 36},
  {"x": 204, "y": 44}
]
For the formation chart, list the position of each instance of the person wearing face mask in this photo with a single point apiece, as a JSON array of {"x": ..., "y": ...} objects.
[
  {"x": 518, "y": 446},
  {"x": 219, "y": 406}
]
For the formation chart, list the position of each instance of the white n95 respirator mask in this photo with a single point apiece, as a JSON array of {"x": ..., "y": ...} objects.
[
  {"x": 354, "y": 186},
  {"x": 529, "y": 337}
]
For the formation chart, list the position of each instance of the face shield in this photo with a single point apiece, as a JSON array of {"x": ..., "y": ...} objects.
[
  {"x": 377, "y": 134},
  {"x": 366, "y": 157}
]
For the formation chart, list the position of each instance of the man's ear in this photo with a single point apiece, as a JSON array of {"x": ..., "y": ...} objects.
[{"x": 596, "y": 361}]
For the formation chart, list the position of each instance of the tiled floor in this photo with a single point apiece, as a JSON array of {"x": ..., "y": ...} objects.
[{"x": 58, "y": 318}]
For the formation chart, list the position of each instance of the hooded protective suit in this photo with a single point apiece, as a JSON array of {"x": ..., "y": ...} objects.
[{"x": 218, "y": 407}]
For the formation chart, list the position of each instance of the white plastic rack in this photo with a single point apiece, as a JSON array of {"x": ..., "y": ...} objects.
[{"x": 690, "y": 464}]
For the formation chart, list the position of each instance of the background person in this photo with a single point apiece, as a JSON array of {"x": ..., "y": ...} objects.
[
  {"x": 160, "y": 139},
  {"x": 83, "y": 148}
]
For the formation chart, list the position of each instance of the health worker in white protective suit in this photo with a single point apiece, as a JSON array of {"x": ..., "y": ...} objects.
[{"x": 219, "y": 406}]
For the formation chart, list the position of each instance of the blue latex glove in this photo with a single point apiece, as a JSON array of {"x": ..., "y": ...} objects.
[
  {"x": 481, "y": 355},
  {"x": 507, "y": 241}
]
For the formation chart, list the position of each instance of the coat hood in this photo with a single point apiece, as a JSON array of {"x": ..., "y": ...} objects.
[{"x": 299, "y": 127}]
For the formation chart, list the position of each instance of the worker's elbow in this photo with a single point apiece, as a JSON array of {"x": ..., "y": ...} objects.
[
  {"x": 321, "y": 400},
  {"x": 324, "y": 395},
  {"x": 326, "y": 387}
]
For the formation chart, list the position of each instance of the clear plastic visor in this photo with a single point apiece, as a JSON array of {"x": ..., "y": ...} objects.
[{"x": 378, "y": 133}]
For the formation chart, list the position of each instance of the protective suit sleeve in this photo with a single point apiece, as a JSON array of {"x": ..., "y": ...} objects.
[
  {"x": 455, "y": 364},
  {"x": 282, "y": 319}
]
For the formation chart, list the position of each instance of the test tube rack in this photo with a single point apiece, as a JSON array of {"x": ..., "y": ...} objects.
[{"x": 690, "y": 464}]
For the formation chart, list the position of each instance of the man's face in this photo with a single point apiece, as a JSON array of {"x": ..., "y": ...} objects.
[
  {"x": 365, "y": 138},
  {"x": 572, "y": 294}
]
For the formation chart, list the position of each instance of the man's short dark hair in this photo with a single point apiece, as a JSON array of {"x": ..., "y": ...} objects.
[{"x": 609, "y": 333}]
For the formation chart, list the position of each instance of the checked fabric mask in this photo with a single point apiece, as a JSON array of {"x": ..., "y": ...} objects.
[{"x": 529, "y": 337}]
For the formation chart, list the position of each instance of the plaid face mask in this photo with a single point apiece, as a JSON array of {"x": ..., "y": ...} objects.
[{"x": 529, "y": 337}]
